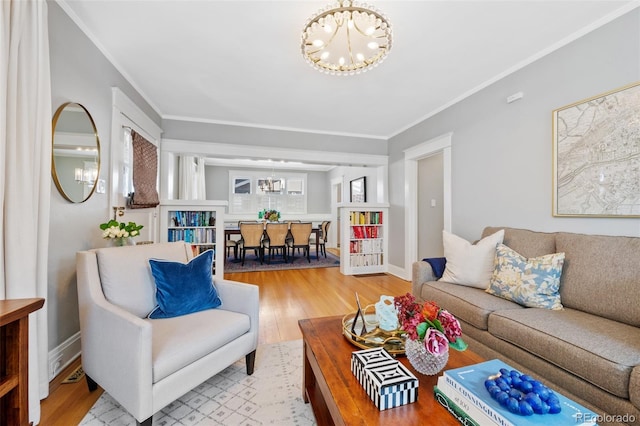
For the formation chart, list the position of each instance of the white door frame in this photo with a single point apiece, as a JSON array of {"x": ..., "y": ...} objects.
[{"x": 439, "y": 144}]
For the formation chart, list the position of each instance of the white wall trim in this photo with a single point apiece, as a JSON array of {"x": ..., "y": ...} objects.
[
  {"x": 411, "y": 157},
  {"x": 248, "y": 151},
  {"x": 400, "y": 273},
  {"x": 63, "y": 355}
]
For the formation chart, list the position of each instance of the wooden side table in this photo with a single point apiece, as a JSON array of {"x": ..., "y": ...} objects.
[{"x": 14, "y": 359}]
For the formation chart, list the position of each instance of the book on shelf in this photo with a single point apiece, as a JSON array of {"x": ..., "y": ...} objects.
[
  {"x": 192, "y": 235},
  {"x": 365, "y": 218},
  {"x": 181, "y": 218},
  {"x": 469, "y": 383}
]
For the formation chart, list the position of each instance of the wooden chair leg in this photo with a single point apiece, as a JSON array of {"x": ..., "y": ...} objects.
[
  {"x": 91, "y": 384},
  {"x": 250, "y": 360},
  {"x": 147, "y": 422}
]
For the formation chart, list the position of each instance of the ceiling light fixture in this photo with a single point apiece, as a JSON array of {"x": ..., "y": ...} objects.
[{"x": 346, "y": 38}]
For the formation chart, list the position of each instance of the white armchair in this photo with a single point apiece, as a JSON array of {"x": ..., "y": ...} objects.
[{"x": 145, "y": 364}]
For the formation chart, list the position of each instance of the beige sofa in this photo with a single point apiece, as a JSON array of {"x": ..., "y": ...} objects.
[
  {"x": 590, "y": 350},
  {"x": 145, "y": 364}
]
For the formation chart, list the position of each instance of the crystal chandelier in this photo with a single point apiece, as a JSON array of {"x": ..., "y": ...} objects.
[{"x": 346, "y": 38}]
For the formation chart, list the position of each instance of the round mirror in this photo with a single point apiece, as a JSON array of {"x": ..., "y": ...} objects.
[{"x": 75, "y": 164}]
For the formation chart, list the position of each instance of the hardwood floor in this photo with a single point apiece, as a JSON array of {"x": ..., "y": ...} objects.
[{"x": 285, "y": 297}]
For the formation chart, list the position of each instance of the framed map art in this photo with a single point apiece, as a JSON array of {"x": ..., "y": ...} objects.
[{"x": 596, "y": 156}]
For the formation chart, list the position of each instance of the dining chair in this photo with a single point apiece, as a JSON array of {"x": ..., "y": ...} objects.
[
  {"x": 232, "y": 243},
  {"x": 251, "y": 238},
  {"x": 300, "y": 236},
  {"x": 320, "y": 236},
  {"x": 289, "y": 222},
  {"x": 324, "y": 237},
  {"x": 275, "y": 239}
]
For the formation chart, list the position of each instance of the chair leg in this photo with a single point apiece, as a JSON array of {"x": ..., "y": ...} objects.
[
  {"x": 250, "y": 360},
  {"x": 244, "y": 253},
  {"x": 91, "y": 384},
  {"x": 308, "y": 248},
  {"x": 146, "y": 422}
]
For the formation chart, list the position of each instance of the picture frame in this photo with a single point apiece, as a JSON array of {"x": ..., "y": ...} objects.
[
  {"x": 596, "y": 156},
  {"x": 358, "y": 189}
]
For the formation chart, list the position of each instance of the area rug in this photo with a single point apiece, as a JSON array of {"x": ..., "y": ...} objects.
[
  {"x": 271, "y": 396},
  {"x": 252, "y": 264}
]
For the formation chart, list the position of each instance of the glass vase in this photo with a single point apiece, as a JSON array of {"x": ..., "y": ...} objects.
[
  {"x": 121, "y": 242},
  {"x": 422, "y": 360}
]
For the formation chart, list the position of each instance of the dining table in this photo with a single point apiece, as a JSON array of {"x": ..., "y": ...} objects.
[{"x": 235, "y": 230}]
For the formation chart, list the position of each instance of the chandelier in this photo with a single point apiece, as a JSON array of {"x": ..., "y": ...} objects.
[
  {"x": 87, "y": 175},
  {"x": 346, "y": 38}
]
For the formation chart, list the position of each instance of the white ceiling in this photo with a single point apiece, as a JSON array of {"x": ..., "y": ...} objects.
[{"x": 239, "y": 62}]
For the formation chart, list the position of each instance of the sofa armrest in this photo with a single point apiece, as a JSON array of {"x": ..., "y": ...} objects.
[
  {"x": 421, "y": 273},
  {"x": 105, "y": 330},
  {"x": 241, "y": 297},
  {"x": 634, "y": 387}
]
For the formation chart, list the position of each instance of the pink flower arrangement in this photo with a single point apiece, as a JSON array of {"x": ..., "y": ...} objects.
[{"x": 429, "y": 323}]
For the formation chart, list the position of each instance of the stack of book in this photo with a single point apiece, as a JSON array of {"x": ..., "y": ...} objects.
[{"x": 462, "y": 392}]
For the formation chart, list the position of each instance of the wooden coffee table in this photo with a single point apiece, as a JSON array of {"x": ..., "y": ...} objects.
[{"x": 337, "y": 397}]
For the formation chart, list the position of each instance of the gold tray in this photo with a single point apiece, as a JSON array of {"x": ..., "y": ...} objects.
[{"x": 373, "y": 336}]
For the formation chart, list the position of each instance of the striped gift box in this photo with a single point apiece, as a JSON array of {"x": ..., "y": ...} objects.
[
  {"x": 388, "y": 383},
  {"x": 369, "y": 358}
]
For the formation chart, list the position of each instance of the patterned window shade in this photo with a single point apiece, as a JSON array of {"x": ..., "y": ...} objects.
[{"x": 145, "y": 173}]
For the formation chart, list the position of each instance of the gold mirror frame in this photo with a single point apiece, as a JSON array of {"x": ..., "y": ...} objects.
[{"x": 77, "y": 139}]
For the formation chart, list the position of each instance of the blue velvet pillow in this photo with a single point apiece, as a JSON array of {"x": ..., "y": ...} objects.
[{"x": 184, "y": 288}]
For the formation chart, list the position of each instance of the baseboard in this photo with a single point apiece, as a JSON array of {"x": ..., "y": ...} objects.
[
  {"x": 399, "y": 272},
  {"x": 63, "y": 355}
]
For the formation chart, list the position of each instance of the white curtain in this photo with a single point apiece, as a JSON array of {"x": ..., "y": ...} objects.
[
  {"x": 191, "y": 182},
  {"x": 25, "y": 172}
]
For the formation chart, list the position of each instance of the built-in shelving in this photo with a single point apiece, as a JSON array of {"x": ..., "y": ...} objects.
[
  {"x": 364, "y": 241},
  {"x": 199, "y": 223}
]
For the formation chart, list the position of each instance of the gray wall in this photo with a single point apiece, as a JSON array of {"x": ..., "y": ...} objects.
[
  {"x": 502, "y": 153},
  {"x": 79, "y": 73},
  {"x": 318, "y": 186}
]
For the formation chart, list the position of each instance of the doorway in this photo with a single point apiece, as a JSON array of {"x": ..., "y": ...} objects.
[
  {"x": 336, "y": 200},
  {"x": 439, "y": 145},
  {"x": 430, "y": 209}
]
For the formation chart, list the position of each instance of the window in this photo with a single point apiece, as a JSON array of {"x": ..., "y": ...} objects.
[
  {"x": 242, "y": 186},
  {"x": 250, "y": 192},
  {"x": 295, "y": 186}
]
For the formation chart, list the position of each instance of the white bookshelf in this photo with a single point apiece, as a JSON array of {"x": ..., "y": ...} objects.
[
  {"x": 364, "y": 238},
  {"x": 199, "y": 223}
]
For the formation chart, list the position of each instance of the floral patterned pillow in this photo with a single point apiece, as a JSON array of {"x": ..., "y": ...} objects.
[{"x": 534, "y": 283}]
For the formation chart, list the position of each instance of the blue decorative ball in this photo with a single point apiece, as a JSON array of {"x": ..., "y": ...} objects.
[
  {"x": 502, "y": 398},
  {"x": 525, "y": 386},
  {"x": 505, "y": 387},
  {"x": 554, "y": 408},
  {"x": 515, "y": 393},
  {"x": 494, "y": 391},
  {"x": 513, "y": 405},
  {"x": 525, "y": 408}
]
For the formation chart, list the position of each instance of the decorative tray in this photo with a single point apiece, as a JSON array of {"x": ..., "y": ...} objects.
[{"x": 367, "y": 335}]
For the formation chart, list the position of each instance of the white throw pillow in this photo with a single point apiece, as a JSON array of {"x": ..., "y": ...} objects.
[{"x": 470, "y": 264}]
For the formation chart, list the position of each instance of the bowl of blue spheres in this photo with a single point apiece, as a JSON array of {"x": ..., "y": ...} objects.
[{"x": 522, "y": 394}]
